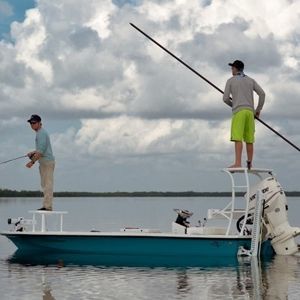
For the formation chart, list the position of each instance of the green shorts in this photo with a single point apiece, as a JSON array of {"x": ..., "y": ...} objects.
[{"x": 242, "y": 126}]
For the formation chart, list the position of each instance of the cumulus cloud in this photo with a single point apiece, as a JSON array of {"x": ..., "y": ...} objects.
[
  {"x": 79, "y": 60},
  {"x": 134, "y": 136},
  {"x": 91, "y": 50}
]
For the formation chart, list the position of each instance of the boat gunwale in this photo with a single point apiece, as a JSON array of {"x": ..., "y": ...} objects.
[{"x": 124, "y": 235}]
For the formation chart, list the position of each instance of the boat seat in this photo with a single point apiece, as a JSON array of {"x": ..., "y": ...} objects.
[
  {"x": 177, "y": 228},
  {"x": 209, "y": 230}
]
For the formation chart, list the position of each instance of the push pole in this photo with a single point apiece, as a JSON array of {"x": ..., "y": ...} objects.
[{"x": 209, "y": 82}]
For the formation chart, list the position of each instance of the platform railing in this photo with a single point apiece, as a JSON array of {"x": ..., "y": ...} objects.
[{"x": 43, "y": 214}]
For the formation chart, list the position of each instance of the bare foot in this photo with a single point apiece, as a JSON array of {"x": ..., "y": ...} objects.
[{"x": 234, "y": 166}]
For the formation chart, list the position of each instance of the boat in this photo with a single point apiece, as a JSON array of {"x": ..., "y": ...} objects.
[{"x": 255, "y": 224}]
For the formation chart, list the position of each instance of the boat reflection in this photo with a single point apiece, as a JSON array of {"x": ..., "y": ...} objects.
[
  {"x": 216, "y": 278},
  {"x": 257, "y": 279},
  {"x": 66, "y": 259},
  {"x": 280, "y": 277}
]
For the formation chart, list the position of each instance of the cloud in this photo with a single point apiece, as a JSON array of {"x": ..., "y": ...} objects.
[
  {"x": 92, "y": 50},
  {"x": 82, "y": 61},
  {"x": 230, "y": 41},
  {"x": 128, "y": 136}
]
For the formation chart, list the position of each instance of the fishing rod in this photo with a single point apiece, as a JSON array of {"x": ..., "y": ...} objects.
[
  {"x": 4, "y": 162},
  {"x": 209, "y": 82}
]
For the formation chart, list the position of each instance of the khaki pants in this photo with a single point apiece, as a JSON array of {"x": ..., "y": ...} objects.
[{"x": 46, "y": 172}]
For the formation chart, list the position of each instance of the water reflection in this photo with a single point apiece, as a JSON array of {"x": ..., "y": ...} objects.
[
  {"x": 65, "y": 259},
  {"x": 183, "y": 286},
  {"x": 47, "y": 293},
  {"x": 281, "y": 275},
  {"x": 247, "y": 279},
  {"x": 257, "y": 279}
]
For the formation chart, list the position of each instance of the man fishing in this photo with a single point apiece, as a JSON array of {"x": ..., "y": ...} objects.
[
  {"x": 241, "y": 87},
  {"x": 43, "y": 154}
]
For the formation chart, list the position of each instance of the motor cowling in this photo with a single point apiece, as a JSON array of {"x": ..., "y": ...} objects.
[{"x": 275, "y": 217}]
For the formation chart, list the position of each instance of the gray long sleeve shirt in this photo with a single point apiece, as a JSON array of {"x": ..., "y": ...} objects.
[{"x": 241, "y": 88}]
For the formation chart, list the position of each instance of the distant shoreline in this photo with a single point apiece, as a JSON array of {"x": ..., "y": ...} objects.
[{"x": 5, "y": 193}]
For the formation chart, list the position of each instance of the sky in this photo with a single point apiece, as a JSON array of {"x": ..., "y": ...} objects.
[{"x": 125, "y": 116}]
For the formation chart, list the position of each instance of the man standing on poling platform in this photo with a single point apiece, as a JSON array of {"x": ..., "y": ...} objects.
[{"x": 241, "y": 88}]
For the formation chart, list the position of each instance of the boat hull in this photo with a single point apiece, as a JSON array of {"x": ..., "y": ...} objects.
[{"x": 122, "y": 249}]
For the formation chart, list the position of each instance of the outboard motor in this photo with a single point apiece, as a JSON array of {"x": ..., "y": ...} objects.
[{"x": 275, "y": 218}]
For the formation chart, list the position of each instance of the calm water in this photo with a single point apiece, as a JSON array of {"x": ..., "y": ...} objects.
[{"x": 248, "y": 279}]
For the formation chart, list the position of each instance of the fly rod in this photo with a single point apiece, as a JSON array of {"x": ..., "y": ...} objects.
[
  {"x": 209, "y": 82},
  {"x": 4, "y": 162}
]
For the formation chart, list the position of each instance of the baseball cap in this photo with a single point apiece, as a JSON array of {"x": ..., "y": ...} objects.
[
  {"x": 237, "y": 64},
  {"x": 34, "y": 118}
]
